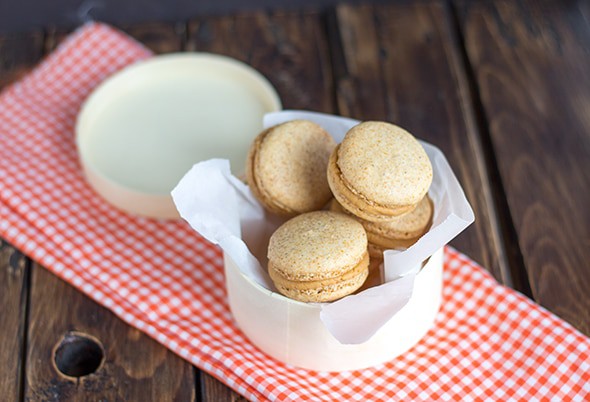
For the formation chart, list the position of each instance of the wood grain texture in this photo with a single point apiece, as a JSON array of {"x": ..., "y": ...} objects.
[
  {"x": 18, "y": 54},
  {"x": 400, "y": 64},
  {"x": 14, "y": 270},
  {"x": 159, "y": 37},
  {"x": 531, "y": 62},
  {"x": 215, "y": 391},
  {"x": 135, "y": 368},
  {"x": 291, "y": 50}
]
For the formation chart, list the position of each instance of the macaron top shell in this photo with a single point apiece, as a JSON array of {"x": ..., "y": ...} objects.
[
  {"x": 288, "y": 164},
  {"x": 317, "y": 245},
  {"x": 385, "y": 164}
]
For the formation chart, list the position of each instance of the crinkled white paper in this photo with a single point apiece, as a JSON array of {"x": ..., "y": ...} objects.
[{"x": 223, "y": 210}]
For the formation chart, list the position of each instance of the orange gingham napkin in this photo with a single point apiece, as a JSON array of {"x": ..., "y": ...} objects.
[{"x": 489, "y": 342}]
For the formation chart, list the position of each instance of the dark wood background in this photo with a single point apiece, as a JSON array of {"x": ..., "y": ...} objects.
[
  {"x": 24, "y": 15},
  {"x": 502, "y": 87}
]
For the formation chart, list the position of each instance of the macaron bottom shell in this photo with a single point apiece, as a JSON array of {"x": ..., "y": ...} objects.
[{"x": 399, "y": 233}]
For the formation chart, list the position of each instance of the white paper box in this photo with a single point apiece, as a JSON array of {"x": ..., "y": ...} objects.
[
  {"x": 292, "y": 332},
  {"x": 357, "y": 331}
]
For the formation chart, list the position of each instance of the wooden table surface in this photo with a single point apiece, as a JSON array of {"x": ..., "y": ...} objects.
[{"x": 502, "y": 87}]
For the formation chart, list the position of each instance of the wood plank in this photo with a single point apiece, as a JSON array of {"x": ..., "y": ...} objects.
[
  {"x": 14, "y": 271},
  {"x": 18, "y": 54},
  {"x": 135, "y": 367},
  {"x": 159, "y": 37},
  {"x": 163, "y": 38},
  {"x": 530, "y": 61},
  {"x": 399, "y": 63},
  {"x": 291, "y": 50},
  {"x": 215, "y": 390}
]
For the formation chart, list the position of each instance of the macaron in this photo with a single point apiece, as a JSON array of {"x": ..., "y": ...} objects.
[
  {"x": 318, "y": 256},
  {"x": 379, "y": 171},
  {"x": 399, "y": 232},
  {"x": 286, "y": 167}
]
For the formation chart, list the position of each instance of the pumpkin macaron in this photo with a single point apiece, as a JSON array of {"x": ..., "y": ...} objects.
[
  {"x": 318, "y": 256},
  {"x": 379, "y": 171},
  {"x": 286, "y": 167}
]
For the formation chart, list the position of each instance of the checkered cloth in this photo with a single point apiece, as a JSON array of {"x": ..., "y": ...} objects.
[{"x": 488, "y": 342}]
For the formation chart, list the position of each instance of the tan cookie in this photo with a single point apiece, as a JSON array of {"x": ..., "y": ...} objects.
[
  {"x": 286, "y": 167},
  {"x": 318, "y": 256},
  {"x": 379, "y": 171},
  {"x": 399, "y": 232}
]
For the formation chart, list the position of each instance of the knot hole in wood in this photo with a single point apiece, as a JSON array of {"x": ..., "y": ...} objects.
[{"x": 78, "y": 354}]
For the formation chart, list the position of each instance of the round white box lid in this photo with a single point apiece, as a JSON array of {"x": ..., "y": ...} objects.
[{"x": 145, "y": 126}]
